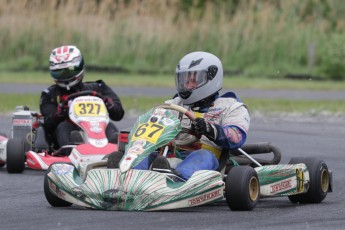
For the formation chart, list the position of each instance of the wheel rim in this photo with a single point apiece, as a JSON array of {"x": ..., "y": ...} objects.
[
  {"x": 253, "y": 188},
  {"x": 324, "y": 180}
]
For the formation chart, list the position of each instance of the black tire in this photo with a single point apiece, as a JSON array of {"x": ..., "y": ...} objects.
[
  {"x": 242, "y": 188},
  {"x": 51, "y": 198},
  {"x": 319, "y": 181},
  {"x": 114, "y": 159},
  {"x": 15, "y": 160}
]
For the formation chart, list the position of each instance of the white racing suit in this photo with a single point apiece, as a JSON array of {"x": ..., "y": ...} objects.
[{"x": 231, "y": 119}]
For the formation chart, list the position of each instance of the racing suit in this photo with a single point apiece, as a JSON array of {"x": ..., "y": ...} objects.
[
  {"x": 231, "y": 120},
  {"x": 58, "y": 128}
]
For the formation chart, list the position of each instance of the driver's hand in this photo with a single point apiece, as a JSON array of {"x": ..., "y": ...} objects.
[
  {"x": 109, "y": 103},
  {"x": 205, "y": 128},
  {"x": 62, "y": 111}
]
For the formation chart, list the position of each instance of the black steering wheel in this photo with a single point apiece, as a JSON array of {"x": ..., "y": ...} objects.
[{"x": 83, "y": 93}]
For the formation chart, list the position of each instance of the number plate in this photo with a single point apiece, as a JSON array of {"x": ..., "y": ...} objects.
[
  {"x": 89, "y": 109},
  {"x": 149, "y": 132}
]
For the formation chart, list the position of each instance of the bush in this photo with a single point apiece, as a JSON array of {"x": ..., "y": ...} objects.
[{"x": 333, "y": 60}]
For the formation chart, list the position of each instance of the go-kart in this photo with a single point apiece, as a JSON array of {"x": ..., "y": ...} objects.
[
  {"x": 28, "y": 145},
  {"x": 3, "y": 146},
  {"x": 241, "y": 183}
]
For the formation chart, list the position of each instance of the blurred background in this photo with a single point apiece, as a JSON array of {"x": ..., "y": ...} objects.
[{"x": 267, "y": 38}]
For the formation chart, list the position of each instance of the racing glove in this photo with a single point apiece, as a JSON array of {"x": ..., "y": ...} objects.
[
  {"x": 205, "y": 128},
  {"x": 62, "y": 112},
  {"x": 109, "y": 103}
]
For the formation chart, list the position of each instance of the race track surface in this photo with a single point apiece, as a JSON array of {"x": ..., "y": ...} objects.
[
  {"x": 169, "y": 92},
  {"x": 23, "y": 204}
]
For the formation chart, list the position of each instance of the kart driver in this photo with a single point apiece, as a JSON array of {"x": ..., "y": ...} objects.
[
  {"x": 223, "y": 121},
  {"x": 66, "y": 65}
]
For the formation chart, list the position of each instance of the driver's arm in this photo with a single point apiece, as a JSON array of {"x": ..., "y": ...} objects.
[
  {"x": 233, "y": 132},
  {"x": 116, "y": 112},
  {"x": 48, "y": 108}
]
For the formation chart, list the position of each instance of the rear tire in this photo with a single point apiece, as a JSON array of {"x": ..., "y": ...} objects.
[
  {"x": 52, "y": 199},
  {"x": 15, "y": 156},
  {"x": 319, "y": 181},
  {"x": 242, "y": 188}
]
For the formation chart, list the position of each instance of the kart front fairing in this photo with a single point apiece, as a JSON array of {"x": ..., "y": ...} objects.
[
  {"x": 151, "y": 131},
  {"x": 133, "y": 190},
  {"x": 130, "y": 189},
  {"x": 90, "y": 114}
]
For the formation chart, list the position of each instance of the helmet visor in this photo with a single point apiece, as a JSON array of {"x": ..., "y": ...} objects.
[
  {"x": 64, "y": 75},
  {"x": 190, "y": 80}
]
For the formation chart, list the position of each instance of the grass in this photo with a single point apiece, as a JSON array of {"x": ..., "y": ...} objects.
[
  {"x": 136, "y": 105},
  {"x": 252, "y": 37},
  {"x": 160, "y": 80}
]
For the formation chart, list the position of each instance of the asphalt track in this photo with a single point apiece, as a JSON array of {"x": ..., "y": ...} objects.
[
  {"x": 23, "y": 205},
  {"x": 154, "y": 92}
]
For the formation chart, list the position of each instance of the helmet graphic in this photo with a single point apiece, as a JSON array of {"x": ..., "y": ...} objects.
[
  {"x": 198, "y": 76},
  {"x": 66, "y": 65}
]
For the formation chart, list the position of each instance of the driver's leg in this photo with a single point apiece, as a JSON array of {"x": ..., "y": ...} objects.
[
  {"x": 63, "y": 131},
  {"x": 112, "y": 133},
  {"x": 198, "y": 160}
]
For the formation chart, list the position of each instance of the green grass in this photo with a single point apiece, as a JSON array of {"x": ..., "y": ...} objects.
[
  {"x": 251, "y": 37},
  {"x": 136, "y": 105},
  {"x": 136, "y": 80}
]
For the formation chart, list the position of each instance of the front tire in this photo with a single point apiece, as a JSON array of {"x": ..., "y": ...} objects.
[
  {"x": 242, "y": 188},
  {"x": 15, "y": 160},
  {"x": 319, "y": 181},
  {"x": 52, "y": 199}
]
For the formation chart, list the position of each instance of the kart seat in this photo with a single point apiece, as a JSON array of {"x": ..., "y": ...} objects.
[{"x": 251, "y": 149}]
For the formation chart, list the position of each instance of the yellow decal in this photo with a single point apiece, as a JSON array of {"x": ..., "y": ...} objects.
[
  {"x": 149, "y": 132},
  {"x": 300, "y": 180},
  {"x": 215, "y": 151},
  {"x": 198, "y": 115},
  {"x": 89, "y": 109}
]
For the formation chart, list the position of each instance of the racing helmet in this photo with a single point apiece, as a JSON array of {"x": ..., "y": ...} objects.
[
  {"x": 66, "y": 65},
  {"x": 199, "y": 75}
]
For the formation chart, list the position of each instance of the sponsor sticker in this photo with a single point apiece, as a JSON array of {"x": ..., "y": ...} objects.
[
  {"x": 281, "y": 186},
  {"x": 204, "y": 197},
  {"x": 300, "y": 180},
  {"x": 137, "y": 150},
  {"x": 159, "y": 112},
  {"x": 63, "y": 169},
  {"x": 168, "y": 122},
  {"x": 22, "y": 122}
]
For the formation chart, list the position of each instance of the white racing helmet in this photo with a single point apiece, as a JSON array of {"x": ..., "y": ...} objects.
[
  {"x": 198, "y": 76},
  {"x": 66, "y": 65}
]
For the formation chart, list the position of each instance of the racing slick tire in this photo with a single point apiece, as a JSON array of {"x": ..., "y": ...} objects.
[
  {"x": 242, "y": 188},
  {"x": 52, "y": 199},
  {"x": 15, "y": 160},
  {"x": 319, "y": 181}
]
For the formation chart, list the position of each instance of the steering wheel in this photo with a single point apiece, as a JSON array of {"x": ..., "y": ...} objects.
[
  {"x": 186, "y": 136},
  {"x": 83, "y": 93}
]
